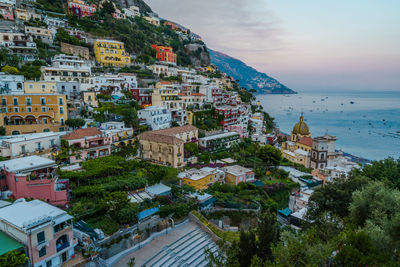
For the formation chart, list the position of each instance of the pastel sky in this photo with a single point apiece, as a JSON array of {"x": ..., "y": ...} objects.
[{"x": 305, "y": 44}]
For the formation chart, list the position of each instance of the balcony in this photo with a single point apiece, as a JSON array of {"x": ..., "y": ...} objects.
[{"x": 62, "y": 243}]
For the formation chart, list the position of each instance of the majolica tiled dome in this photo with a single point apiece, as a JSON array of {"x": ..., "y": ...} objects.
[{"x": 301, "y": 127}]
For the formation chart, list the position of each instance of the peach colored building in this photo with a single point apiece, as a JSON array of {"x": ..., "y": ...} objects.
[
  {"x": 166, "y": 147},
  {"x": 89, "y": 143},
  {"x": 44, "y": 230},
  {"x": 34, "y": 177}
]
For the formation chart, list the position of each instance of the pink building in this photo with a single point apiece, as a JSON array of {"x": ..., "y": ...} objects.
[
  {"x": 34, "y": 177},
  {"x": 90, "y": 143},
  {"x": 81, "y": 8},
  {"x": 6, "y": 11},
  {"x": 240, "y": 129},
  {"x": 42, "y": 229}
]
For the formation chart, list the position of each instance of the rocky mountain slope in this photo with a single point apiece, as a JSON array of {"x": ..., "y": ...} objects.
[{"x": 248, "y": 77}]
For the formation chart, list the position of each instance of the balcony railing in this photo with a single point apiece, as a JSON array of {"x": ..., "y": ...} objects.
[{"x": 62, "y": 246}]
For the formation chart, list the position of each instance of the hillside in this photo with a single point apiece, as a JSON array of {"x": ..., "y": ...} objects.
[{"x": 249, "y": 77}]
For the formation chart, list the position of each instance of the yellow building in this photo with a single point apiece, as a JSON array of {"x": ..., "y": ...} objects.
[
  {"x": 165, "y": 95},
  {"x": 300, "y": 130},
  {"x": 298, "y": 150},
  {"x": 40, "y": 87},
  {"x": 199, "y": 179},
  {"x": 111, "y": 53},
  {"x": 33, "y": 113},
  {"x": 89, "y": 98}
]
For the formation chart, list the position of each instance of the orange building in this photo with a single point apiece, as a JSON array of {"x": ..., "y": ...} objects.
[{"x": 165, "y": 54}]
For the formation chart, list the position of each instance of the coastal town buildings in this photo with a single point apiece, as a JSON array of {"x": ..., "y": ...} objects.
[
  {"x": 111, "y": 53},
  {"x": 75, "y": 50},
  {"x": 198, "y": 178},
  {"x": 19, "y": 44},
  {"x": 219, "y": 142},
  {"x": 67, "y": 68},
  {"x": 166, "y": 146},
  {"x": 33, "y": 113},
  {"x": 132, "y": 11},
  {"x": 11, "y": 84},
  {"x": 81, "y": 8},
  {"x": 88, "y": 143},
  {"x": 34, "y": 177},
  {"x": 40, "y": 33},
  {"x": 156, "y": 117},
  {"x": 237, "y": 174},
  {"x": 29, "y": 144},
  {"x": 165, "y": 54},
  {"x": 43, "y": 230}
]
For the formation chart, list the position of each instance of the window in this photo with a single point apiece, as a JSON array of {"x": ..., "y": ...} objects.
[
  {"x": 42, "y": 252},
  {"x": 48, "y": 264},
  {"x": 23, "y": 149},
  {"x": 40, "y": 238},
  {"x": 29, "y": 109},
  {"x": 31, "y": 86},
  {"x": 52, "y": 142},
  {"x": 16, "y": 109},
  {"x": 38, "y": 145},
  {"x": 4, "y": 110},
  {"x": 43, "y": 101},
  {"x": 4, "y": 101},
  {"x": 43, "y": 109},
  {"x": 60, "y": 101},
  {"x": 43, "y": 86},
  {"x": 28, "y": 101},
  {"x": 45, "y": 121},
  {"x": 61, "y": 110},
  {"x": 62, "y": 121},
  {"x": 15, "y": 101}
]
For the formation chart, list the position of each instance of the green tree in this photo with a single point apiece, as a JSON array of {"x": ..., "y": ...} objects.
[
  {"x": 358, "y": 250},
  {"x": 268, "y": 234},
  {"x": 192, "y": 148},
  {"x": 75, "y": 123},
  {"x": 2, "y": 131},
  {"x": 271, "y": 155},
  {"x": 13, "y": 258},
  {"x": 10, "y": 70},
  {"x": 247, "y": 248}
]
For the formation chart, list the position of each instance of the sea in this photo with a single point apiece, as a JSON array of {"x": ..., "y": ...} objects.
[{"x": 366, "y": 123}]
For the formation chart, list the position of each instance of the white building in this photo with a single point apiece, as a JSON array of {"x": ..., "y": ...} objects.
[
  {"x": 132, "y": 11},
  {"x": 67, "y": 68},
  {"x": 29, "y": 144},
  {"x": 9, "y": 2},
  {"x": 11, "y": 84},
  {"x": 55, "y": 22},
  {"x": 165, "y": 70},
  {"x": 116, "y": 130},
  {"x": 19, "y": 44},
  {"x": 156, "y": 117},
  {"x": 180, "y": 116},
  {"x": 44, "y": 230}
]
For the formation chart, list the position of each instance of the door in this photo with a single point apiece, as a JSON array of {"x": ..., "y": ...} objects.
[{"x": 64, "y": 257}]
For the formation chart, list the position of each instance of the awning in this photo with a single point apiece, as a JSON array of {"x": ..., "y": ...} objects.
[
  {"x": 8, "y": 244},
  {"x": 62, "y": 218}
]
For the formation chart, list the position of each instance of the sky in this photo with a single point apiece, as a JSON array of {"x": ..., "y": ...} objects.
[{"x": 305, "y": 44}]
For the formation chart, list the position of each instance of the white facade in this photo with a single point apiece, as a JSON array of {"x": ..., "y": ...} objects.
[
  {"x": 11, "y": 84},
  {"x": 9, "y": 2},
  {"x": 156, "y": 117},
  {"x": 55, "y": 22},
  {"x": 67, "y": 68},
  {"x": 24, "y": 145},
  {"x": 165, "y": 70},
  {"x": 132, "y": 11}
]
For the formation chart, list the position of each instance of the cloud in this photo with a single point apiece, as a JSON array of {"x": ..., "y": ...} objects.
[{"x": 243, "y": 28}]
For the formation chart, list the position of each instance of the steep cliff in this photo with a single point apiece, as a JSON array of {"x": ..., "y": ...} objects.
[{"x": 248, "y": 77}]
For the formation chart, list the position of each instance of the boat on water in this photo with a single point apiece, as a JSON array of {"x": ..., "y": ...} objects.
[{"x": 352, "y": 102}]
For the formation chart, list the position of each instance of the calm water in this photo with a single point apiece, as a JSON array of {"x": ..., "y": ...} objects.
[{"x": 365, "y": 128}]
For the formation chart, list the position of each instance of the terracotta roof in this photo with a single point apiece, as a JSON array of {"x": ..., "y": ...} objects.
[
  {"x": 175, "y": 130},
  {"x": 166, "y": 82},
  {"x": 82, "y": 133},
  {"x": 182, "y": 94},
  {"x": 198, "y": 94},
  {"x": 160, "y": 138},
  {"x": 306, "y": 141}
]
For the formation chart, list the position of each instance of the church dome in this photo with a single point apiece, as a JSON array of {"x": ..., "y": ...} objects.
[{"x": 301, "y": 127}]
